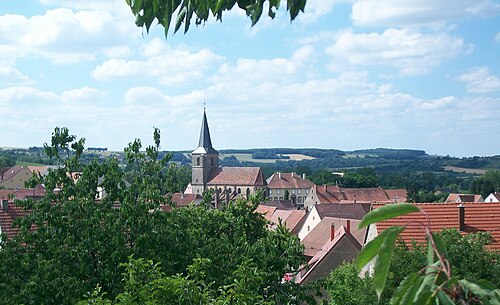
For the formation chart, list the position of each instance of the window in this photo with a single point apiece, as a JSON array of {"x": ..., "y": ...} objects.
[
  {"x": 248, "y": 191},
  {"x": 278, "y": 192},
  {"x": 305, "y": 199},
  {"x": 308, "y": 228},
  {"x": 293, "y": 191},
  {"x": 239, "y": 191},
  {"x": 275, "y": 198},
  {"x": 198, "y": 161},
  {"x": 270, "y": 192},
  {"x": 281, "y": 198},
  {"x": 299, "y": 191},
  {"x": 299, "y": 199},
  {"x": 229, "y": 190},
  {"x": 307, "y": 191}
]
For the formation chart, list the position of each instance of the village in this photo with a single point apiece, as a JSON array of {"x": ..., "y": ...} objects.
[{"x": 324, "y": 217}]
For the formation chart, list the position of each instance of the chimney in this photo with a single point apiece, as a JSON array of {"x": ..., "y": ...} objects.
[
  {"x": 326, "y": 188},
  {"x": 182, "y": 195},
  {"x": 332, "y": 231},
  {"x": 348, "y": 226},
  {"x": 5, "y": 205},
  {"x": 304, "y": 176},
  {"x": 279, "y": 175},
  {"x": 461, "y": 217}
]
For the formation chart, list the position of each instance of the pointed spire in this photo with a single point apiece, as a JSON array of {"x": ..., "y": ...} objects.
[{"x": 205, "y": 143}]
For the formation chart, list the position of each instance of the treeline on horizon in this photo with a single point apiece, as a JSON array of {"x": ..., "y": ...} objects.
[{"x": 421, "y": 174}]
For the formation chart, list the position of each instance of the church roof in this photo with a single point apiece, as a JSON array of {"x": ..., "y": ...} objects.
[
  {"x": 205, "y": 143},
  {"x": 251, "y": 176}
]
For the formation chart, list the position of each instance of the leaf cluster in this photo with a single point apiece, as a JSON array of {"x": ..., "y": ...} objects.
[{"x": 147, "y": 11}]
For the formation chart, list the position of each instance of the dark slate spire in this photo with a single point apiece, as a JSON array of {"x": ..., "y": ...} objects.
[{"x": 205, "y": 143}]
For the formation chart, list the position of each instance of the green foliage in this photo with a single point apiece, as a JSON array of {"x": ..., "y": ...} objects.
[
  {"x": 345, "y": 287},
  {"x": 72, "y": 243},
  {"x": 147, "y": 11},
  {"x": 486, "y": 184},
  {"x": 434, "y": 282}
]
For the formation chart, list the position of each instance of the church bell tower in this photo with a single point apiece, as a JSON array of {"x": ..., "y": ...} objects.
[{"x": 204, "y": 159}]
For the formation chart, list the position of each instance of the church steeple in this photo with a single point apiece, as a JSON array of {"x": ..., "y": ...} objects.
[
  {"x": 205, "y": 142},
  {"x": 204, "y": 159}
]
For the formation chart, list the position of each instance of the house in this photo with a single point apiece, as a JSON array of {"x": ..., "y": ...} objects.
[
  {"x": 295, "y": 186},
  {"x": 341, "y": 246},
  {"x": 467, "y": 217},
  {"x": 14, "y": 177},
  {"x": 180, "y": 200},
  {"x": 339, "y": 211},
  {"x": 327, "y": 194},
  {"x": 228, "y": 182},
  {"x": 493, "y": 197},
  {"x": 453, "y": 197}
]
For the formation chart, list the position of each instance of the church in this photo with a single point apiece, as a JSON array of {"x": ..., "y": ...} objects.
[{"x": 227, "y": 182}]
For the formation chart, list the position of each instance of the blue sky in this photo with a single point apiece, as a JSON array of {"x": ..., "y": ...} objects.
[{"x": 352, "y": 74}]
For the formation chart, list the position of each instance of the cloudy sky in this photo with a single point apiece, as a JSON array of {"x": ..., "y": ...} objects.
[{"x": 421, "y": 74}]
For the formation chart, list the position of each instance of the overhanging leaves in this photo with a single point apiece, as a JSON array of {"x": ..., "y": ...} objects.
[{"x": 146, "y": 11}]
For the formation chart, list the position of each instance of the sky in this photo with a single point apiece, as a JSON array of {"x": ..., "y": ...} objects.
[{"x": 346, "y": 74}]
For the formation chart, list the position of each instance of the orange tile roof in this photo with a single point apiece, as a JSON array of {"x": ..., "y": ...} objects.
[
  {"x": 237, "y": 176},
  {"x": 478, "y": 217},
  {"x": 288, "y": 181}
]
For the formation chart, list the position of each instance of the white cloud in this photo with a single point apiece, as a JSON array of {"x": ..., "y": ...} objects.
[
  {"x": 415, "y": 12},
  {"x": 11, "y": 76},
  {"x": 409, "y": 51},
  {"x": 85, "y": 94},
  {"x": 480, "y": 80},
  {"x": 24, "y": 94},
  {"x": 317, "y": 8},
  {"x": 171, "y": 66},
  {"x": 497, "y": 37},
  {"x": 63, "y": 35}
]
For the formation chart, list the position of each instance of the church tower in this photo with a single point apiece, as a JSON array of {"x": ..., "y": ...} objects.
[{"x": 204, "y": 159}]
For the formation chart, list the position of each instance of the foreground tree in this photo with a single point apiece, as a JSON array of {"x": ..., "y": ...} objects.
[
  {"x": 72, "y": 243},
  {"x": 147, "y": 11}
]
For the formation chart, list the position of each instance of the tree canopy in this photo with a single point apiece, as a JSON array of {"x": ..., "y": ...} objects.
[{"x": 72, "y": 245}]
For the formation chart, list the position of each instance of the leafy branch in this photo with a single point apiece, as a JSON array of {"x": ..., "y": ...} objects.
[
  {"x": 146, "y": 11},
  {"x": 434, "y": 284}
]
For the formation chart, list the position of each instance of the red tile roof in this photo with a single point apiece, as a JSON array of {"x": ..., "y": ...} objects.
[
  {"x": 344, "y": 210},
  {"x": 326, "y": 248},
  {"x": 335, "y": 194},
  {"x": 251, "y": 176},
  {"x": 181, "y": 199},
  {"x": 288, "y": 181},
  {"x": 38, "y": 191},
  {"x": 291, "y": 218},
  {"x": 322, "y": 234},
  {"x": 8, "y": 216},
  {"x": 478, "y": 217},
  {"x": 266, "y": 211}
]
